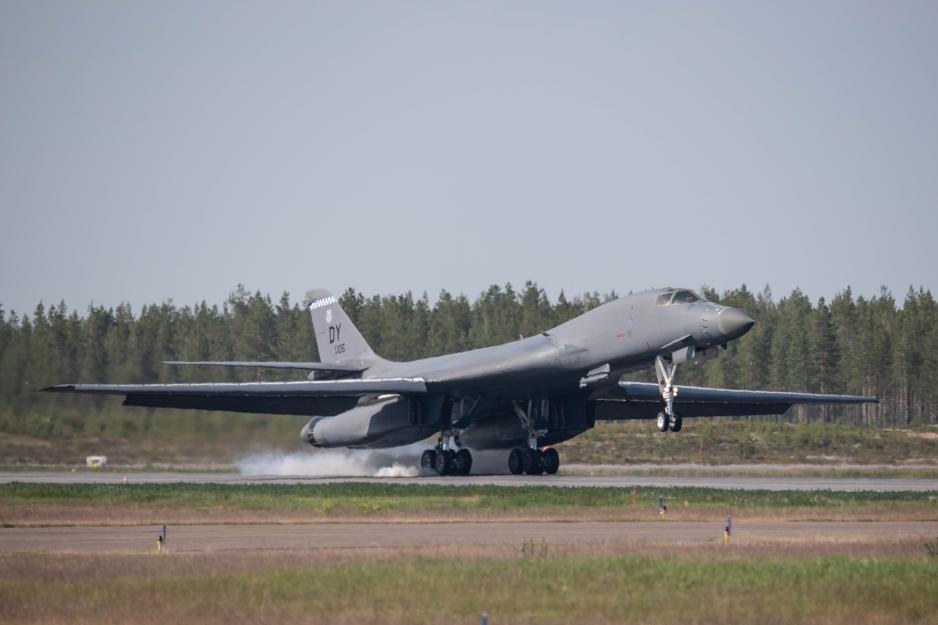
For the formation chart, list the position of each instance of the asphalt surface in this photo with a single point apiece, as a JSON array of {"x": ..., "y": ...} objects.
[
  {"x": 707, "y": 481},
  {"x": 390, "y": 535}
]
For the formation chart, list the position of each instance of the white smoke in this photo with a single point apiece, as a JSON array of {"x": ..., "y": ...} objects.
[
  {"x": 395, "y": 462},
  {"x": 397, "y": 470}
]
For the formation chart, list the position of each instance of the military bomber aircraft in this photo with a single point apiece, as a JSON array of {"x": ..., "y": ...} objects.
[{"x": 523, "y": 396}]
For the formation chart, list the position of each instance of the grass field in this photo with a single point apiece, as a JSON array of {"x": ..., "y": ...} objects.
[
  {"x": 821, "y": 579},
  {"x": 531, "y": 587},
  {"x": 744, "y": 470},
  {"x": 24, "y": 504},
  {"x": 705, "y": 441}
]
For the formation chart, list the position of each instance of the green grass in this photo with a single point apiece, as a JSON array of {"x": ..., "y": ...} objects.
[
  {"x": 168, "y": 438},
  {"x": 574, "y": 589},
  {"x": 725, "y": 441},
  {"x": 144, "y": 468},
  {"x": 410, "y": 498}
]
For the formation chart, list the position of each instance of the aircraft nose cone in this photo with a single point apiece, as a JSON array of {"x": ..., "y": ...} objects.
[{"x": 734, "y": 323}]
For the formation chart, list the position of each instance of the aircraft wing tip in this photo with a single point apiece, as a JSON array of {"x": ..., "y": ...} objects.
[{"x": 58, "y": 388}]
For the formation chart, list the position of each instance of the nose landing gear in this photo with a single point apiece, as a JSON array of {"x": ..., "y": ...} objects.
[
  {"x": 667, "y": 420},
  {"x": 673, "y": 423}
]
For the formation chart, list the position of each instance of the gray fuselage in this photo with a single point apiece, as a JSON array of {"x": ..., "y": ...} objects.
[{"x": 626, "y": 333}]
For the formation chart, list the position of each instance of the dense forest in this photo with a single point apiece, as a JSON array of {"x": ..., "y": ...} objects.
[{"x": 872, "y": 346}]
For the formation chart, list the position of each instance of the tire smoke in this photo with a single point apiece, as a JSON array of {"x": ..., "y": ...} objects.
[{"x": 395, "y": 462}]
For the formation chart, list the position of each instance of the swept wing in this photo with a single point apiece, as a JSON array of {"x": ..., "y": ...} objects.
[
  {"x": 303, "y": 397},
  {"x": 272, "y": 364},
  {"x": 642, "y": 400}
]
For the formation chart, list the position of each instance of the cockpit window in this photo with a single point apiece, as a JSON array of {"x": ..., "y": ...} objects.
[
  {"x": 677, "y": 297},
  {"x": 684, "y": 297}
]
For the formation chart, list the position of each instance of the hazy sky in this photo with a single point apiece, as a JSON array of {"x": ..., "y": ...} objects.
[{"x": 155, "y": 150}]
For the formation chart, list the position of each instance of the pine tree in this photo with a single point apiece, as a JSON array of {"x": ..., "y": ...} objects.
[
  {"x": 536, "y": 314},
  {"x": 449, "y": 325},
  {"x": 826, "y": 355}
]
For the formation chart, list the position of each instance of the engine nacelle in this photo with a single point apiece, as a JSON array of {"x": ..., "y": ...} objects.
[{"x": 385, "y": 422}]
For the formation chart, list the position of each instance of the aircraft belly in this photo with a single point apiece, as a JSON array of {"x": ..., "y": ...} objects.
[{"x": 557, "y": 419}]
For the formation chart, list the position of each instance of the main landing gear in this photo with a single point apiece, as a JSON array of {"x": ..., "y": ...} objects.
[
  {"x": 530, "y": 460},
  {"x": 444, "y": 459},
  {"x": 533, "y": 461},
  {"x": 447, "y": 461}
]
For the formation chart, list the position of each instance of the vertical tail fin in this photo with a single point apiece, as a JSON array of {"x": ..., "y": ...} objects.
[{"x": 337, "y": 338}]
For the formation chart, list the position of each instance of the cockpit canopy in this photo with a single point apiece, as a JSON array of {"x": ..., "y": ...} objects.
[{"x": 678, "y": 296}]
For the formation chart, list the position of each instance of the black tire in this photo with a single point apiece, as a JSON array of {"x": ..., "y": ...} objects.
[
  {"x": 550, "y": 460},
  {"x": 676, "y": 423},
  {"x": 463, "y": 461},
  {"x": 443, "y": 463},
  {"x": 516, "y": 461},
  {"x": 428, "y": 459},
  {"x": 663, "y": 422},
  {"x": 532, "y": 462}
]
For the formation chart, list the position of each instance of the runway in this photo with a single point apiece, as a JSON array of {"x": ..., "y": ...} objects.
[
  {"x": 773, "y": 483},
  {"x": 190, "y": 538}
]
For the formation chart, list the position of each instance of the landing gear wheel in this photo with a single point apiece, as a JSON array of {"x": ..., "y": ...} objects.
[
  {"x": 443, "y": 463},
  {"x": 428, "y": 459},
  {"x": 662, "y": 422},
  {"x": 516, "y": 461},
  {"x": 463, "y": 462},
  {"x": 675, "y": 423},
  {"x": 531, "y": 462},
  {"x": 550, "y": 460}
]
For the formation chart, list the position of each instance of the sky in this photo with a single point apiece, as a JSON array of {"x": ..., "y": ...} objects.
[{"x": 172, "y": 150}]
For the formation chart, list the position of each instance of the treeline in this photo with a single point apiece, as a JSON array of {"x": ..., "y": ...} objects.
[{"x": 872, "y": 346}]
